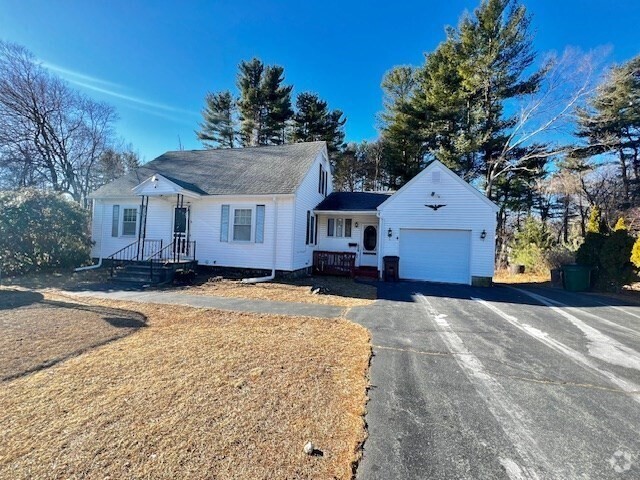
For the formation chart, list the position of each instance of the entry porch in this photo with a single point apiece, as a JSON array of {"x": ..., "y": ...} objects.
[{"x": 347, "y": 244}]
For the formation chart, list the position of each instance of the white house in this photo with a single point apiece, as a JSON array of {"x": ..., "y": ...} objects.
[{"x": 272, "y": 208}]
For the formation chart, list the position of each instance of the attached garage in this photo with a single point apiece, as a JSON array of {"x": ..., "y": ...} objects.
[
  {"x": 435, "y": 255},
  {"x": 441, "y": 228}
]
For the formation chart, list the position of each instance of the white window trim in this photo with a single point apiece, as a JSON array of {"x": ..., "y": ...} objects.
[
  {"x": 121, "y": 220},
  {"x": 335, "y": 225},
  {"x": 232, "y": 220}
]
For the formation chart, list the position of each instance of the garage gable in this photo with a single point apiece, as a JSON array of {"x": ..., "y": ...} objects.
[{"x": 438, "y": 176}]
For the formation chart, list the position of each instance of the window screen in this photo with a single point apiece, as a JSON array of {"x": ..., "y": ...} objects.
[
  {"x": 129, "y": 218},
  {"x": 242, "y": 224}
]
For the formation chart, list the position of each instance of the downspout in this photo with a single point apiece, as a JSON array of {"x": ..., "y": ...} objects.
[
  {"x": 99, "y": 264},
  {"x": 275, "y": 242}
]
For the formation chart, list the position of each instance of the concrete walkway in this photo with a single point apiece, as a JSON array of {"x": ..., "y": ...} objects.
[{"x": 220, "y": 303}]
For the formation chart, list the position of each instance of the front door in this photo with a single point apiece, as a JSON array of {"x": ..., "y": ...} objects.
[
  {"x": 369, "y": 252},
  {"x": 181, "y": 230}
]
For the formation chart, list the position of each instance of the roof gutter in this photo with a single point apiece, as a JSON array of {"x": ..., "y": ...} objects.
[{"x": 345, "y": 212}]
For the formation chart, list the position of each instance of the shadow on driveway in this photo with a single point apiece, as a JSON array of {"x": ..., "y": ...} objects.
[{"x": 405, "y": 291}]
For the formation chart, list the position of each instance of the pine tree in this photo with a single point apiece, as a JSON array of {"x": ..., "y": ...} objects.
[
  {"x": 251, "y": 102},
  {"x": 611, "y": 124},
  {"x": 218, "y": 129},
  {"x": 277, "y": 105},
  {"x": 401, "y": 127},
  {"x": 313, "y": 121},
  {"x": 264, "y": 104}
]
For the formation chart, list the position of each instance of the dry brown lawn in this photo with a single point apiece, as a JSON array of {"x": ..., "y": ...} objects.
[
  {"x": 54, "y": 279},
  {"x": 195, "y": 394},
  {"x": 37, "y": 333},
  {"x": 503, "y": 276},
  {"x": 341, "y": 292}
]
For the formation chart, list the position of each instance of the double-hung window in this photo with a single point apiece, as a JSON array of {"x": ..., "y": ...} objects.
[
  {"x": 339, "y": 227},
  {"x": 129, "y": 221},
  {"x": 242, "y": 225}
]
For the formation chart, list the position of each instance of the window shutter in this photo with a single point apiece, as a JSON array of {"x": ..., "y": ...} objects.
[
  {"x": 224, "y": 224},
  {"x": 320, "y": 179},
  {"x": 259, "y": 224},
  {"x": 315, "y": 240},
  {"x": 330, "y": 223},
  {"x": 312, "y": 230},
  {"x": 115, "y": 220},
  {"x": 308, "y": 227}
]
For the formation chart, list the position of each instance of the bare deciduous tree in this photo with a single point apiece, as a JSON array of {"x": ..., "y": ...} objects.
[{"x": 50, "y": 134}]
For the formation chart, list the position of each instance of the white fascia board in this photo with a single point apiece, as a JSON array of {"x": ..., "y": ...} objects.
[{"x": 175, "y": 189}]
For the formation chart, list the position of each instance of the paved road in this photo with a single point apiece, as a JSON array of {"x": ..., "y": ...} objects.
[{"x": 471, "y": 383}]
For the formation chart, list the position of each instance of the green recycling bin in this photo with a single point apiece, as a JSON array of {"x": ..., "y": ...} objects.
[{"x": 577, "y": 278}]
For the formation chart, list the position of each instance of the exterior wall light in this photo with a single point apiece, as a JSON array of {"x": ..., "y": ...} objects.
[
  {"x": 390, "y": 233},
  {"x": 483, "y": 235}
]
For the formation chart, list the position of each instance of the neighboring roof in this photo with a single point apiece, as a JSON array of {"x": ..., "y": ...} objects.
[
  {"x": 352, "y": 201},
  {"x": 234, "y": 171}
]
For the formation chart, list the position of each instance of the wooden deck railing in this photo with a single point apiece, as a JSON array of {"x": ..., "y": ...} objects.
[{"x": 334, "y": 263}]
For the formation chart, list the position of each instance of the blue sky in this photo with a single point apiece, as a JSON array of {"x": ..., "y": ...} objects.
[{"x": 155, "y": 61}]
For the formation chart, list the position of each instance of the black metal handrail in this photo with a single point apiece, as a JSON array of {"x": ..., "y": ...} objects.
[{"x": 135, "y": 251}]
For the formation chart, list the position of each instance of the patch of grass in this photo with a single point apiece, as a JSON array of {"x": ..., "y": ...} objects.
[
  {"x": 197, "y": 394},
  {"x": 504, "y": 276},
  {"x": 341, "y": 292},
  {"x": 58, "y": 279}
]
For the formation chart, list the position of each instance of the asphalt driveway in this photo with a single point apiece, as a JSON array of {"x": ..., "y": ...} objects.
[{"x": 501, "y": 383}]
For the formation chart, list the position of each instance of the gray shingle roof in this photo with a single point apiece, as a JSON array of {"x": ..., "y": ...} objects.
[
  {"x": 239, "y": 171},
  {"x": 352, "y": 201}
]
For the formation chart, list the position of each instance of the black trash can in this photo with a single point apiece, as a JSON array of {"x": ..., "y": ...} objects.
[{"x": 391, "y": 268}]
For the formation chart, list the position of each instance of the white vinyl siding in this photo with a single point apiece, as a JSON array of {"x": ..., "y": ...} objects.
[
  {"x": 205, "y": 228},
  {"x": 308, "y": 196},
  {"x": 206, "y": 214}
]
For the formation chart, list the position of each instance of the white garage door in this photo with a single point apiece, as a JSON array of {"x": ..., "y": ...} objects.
[{"x": 435, "y": 255}]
